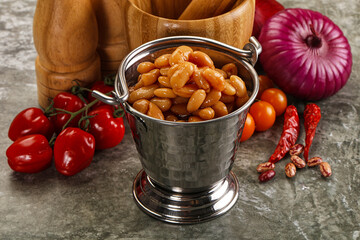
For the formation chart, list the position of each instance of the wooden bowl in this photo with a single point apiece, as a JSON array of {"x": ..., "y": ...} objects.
[{"x": 233, "y": 27}]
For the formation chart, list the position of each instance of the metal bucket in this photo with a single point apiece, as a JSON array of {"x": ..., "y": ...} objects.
[{"x": 186, "y": 176}]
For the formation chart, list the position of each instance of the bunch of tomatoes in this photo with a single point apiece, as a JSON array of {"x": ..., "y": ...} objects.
[
  {"x": 68, "y": 132},
  {"x": 271, "y": 103}
]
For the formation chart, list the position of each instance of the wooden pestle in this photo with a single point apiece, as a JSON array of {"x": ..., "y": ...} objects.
[
  {"x": 169, "y": 8},
  {"x": 200, "y": 9},
  {"x": 224, "y": 7}
]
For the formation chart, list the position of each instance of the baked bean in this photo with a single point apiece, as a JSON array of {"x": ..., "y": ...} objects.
[
  {"x": 230, "y": 69},
  {"x": 211, "y": 98},
  {"x": 180, "y": 109},
  {"x": 164, "y": 71},
  {"x": 162, "y": 61},
  {"x": 142, "y": 105},
  {"x": 145, "y": 67},
  {"x": 150, "y": 77},
  {"x": 146, "y": 92},
  {"x": 171, "y": 118},
  {"x": 164, "y": 93},
  {"x": 199, "y": 80},
  {"x": 205, "y": 113},
  {"x": 223, "y": 73},
  {"x": 172, "y": 70},
  {"x": 164, "y": 81},
  {"x": 182, "y": 75},
  {"x": 241, "y": 100},
  {"x": 179, "y": 100},
  {"x": 163, "y": 103},
  {"x": 220, "y": 109},
  {"x": 230, "y": 106},
  {"x": 155, "y": 112},
  {"x": 138, "y": 85},
  {"x": 215, "y": 79},
  {"x": 195, "y": 101},
  {"x": 181, "y": 54},
  {"x": 201, "y": 59},
  {"x": 131, "y": 89},
  {"x": 186, "y": 85},
  {"x": 186, "y": 91},
  {"x": 239, "y": 85},
  {"x": 227, "y": 98},
  {"x": 229, "y": 89},
  {"x": 195, "y": 119}
]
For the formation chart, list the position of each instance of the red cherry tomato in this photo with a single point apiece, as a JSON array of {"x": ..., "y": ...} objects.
[
  {"x": 263, "y": 114},
  {"x": 264, "y": 83},
  {"x": 73, "y": 151},
  {"x": 29, "y": 154},
  {"x": 101, "y": 87},
  {"x": 276, "y": 98},
  {"x": 249, "y": 128},
  {"x": 30, "y": 121},
  {"x": 68, "y": 102},
  {"x": 107, "y": 130}
]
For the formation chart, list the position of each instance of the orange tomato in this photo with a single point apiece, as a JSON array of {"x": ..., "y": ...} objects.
[
  {"x": 264, "y": 115},
  {"x": 276, "y": 98},
  {"x": 249, "y": 128},
  {"x": 264, "y": 83}
]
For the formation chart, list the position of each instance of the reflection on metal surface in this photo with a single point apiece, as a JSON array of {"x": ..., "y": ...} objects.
[{"x": 185, "y": 208}]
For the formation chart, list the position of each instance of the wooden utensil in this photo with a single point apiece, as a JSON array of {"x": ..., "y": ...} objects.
[
  {"x": 66, "y": 37},
  {"x": 169, "y": 8},
  {"x": 234, "y": 29},
  {"x": 200, "y": 9},
  {"x": 224, "y": 6}
]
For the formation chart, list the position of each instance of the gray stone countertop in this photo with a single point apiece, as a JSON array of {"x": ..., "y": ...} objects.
[{"x": 98, "y": 203}]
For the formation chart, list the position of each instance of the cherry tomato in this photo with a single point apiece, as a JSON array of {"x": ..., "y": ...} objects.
[
  {"x": 107, "y": 130},
  {"x": 73, "y": 151},
  {"x": 264, "y": 83},
  {"x": 30, "y": 121},
  {"x": 276, "y": 98},
  {"x": 101, "y": 87},
  {"x": 263, "y": 114},
  {"x": 68, "y": 102},
  {"x": 249, "y": 128},
  {"x": 29, "y": 154}
]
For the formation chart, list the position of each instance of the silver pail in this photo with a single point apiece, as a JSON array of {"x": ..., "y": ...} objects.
[{"x": 186, "y": 176}]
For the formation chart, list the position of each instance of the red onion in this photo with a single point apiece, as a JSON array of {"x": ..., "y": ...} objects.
[
  {"x": 305, "y": 54},
  {"x": 264, "y": 9}
]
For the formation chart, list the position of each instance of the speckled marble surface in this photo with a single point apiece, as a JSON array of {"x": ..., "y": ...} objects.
[{"x": 98, "y": 204}]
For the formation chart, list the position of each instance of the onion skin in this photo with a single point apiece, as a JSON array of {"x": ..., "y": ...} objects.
[
  {"x": 305, "y": 54},
  {"x": 264, "y": 9}
]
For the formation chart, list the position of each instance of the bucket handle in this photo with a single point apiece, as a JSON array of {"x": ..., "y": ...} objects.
[{"x": 116, "y": 97}]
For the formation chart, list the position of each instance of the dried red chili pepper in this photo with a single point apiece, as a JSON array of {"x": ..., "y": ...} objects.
[
  {"x": 312, "y": 115},
  {"x": 289, "y": 134}
]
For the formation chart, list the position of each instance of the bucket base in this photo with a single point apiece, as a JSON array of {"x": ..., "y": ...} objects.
[{"x": 185, "y": 208}]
